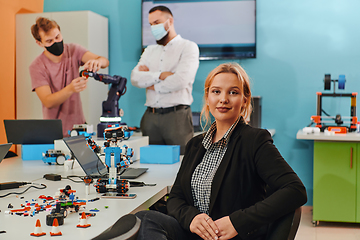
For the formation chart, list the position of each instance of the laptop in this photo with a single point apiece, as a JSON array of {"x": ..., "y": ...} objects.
[
  {"x": 4, "y": 148},
  {"x": 92, "y": 164},
  {"x": 33, "y": 131}
]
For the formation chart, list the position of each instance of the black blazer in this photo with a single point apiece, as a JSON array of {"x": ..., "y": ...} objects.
[{"x": 250, "y": 164}]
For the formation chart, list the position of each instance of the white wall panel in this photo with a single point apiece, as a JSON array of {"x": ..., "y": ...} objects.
[{"x": 86, "y": 28}]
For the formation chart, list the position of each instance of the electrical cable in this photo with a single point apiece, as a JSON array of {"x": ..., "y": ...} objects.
[
  {"x": 75, "y": 176},
  {"x": 141, "y": 184},
  {"x": 322, "y": 110},
  {"x": 312, "y": 122},
  {"x": 43, "y": 187}
]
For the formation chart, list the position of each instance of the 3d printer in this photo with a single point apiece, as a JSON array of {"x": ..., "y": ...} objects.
[{"x": 322, "y": 121}]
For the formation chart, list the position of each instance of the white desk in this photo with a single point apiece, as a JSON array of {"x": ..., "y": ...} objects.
[
  {"x": 352, "y": 136},
  {"x": 20, "y": 227}
]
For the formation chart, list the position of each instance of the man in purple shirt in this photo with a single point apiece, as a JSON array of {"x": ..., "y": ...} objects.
[{"x": 55, "y": 74}]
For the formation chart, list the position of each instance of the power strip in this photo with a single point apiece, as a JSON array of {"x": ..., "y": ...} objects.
[
  {"x": 52, "y": 177},
  {"x": 11, "y": 185}
]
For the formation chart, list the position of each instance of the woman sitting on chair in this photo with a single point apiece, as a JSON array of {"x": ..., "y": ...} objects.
[{"x": 219, "y": 191}]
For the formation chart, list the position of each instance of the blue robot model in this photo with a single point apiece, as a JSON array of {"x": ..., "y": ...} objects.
[{"x": 115, "y": 156}]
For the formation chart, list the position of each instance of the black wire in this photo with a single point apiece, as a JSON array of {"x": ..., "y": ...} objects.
[
  {"x": 322, "y": 110},
  {"x": 44, "y": 186},
  {"x": 75, "y": 176}
]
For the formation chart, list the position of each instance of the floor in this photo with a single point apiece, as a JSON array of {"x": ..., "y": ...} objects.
[{"x": 325, "y": 230}]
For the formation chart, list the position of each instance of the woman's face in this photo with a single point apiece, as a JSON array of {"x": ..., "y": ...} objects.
[{"x": 225, "y": 98}]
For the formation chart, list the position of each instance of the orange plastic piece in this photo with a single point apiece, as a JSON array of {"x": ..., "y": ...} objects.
[
  {"x": 83, "y": 74},
  {"x": 88, "y": 179},
  {"x": 319, "y": 93},
  {"x": 21, "y": 210},
  {"x": 354, "y": 120},
  {"x": 316, "y": 119},
  {"x": 69, "y": 191},
  {"x": 337, "y": 129},
  {"x": 79, "y": 203}
]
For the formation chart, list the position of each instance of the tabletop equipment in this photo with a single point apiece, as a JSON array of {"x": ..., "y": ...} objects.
[
  {"x": 322, "y": 121},
  {"x": 111, "y": 113}
]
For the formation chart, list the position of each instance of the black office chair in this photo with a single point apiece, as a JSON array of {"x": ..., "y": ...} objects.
[
  {"x": 125, "y": 228},
  {"x": 285, "y": 228}
]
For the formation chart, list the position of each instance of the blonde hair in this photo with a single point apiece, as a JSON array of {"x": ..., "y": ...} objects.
[{"x": 236, "y": 69}]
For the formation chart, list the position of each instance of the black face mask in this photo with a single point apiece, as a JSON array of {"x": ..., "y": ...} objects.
[{"x": 57, "y": 48}]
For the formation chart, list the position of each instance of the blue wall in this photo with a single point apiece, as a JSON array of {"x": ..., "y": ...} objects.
[{"x": 297, "y": 43}]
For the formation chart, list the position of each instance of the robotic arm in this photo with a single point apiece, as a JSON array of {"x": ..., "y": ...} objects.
[{"x": 110, "y": 107}]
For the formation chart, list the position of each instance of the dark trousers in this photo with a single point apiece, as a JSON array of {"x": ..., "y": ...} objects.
[
  {"x": 159, "y": 226},
  {"x": 172, "y": 128}
]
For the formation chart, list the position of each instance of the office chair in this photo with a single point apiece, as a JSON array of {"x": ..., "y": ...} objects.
[
  {"x": 125, "y": 228},
  {"x": 285, "y": 228}
]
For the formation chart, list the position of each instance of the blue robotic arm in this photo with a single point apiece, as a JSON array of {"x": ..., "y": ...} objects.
[{"x": 110, "y": 108}]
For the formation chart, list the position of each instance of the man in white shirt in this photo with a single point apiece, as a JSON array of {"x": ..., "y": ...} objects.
[{"x": 167, "y": 71}]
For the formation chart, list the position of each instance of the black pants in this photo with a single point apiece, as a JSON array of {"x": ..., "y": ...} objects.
[
  {"x": 172, "y": 128},
  {"x": 159, "y": 226},
  {"x": 156, "y": 225}
]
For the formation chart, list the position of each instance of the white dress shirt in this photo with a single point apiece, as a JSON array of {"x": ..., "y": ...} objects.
[{"x": 179, "y": 56}]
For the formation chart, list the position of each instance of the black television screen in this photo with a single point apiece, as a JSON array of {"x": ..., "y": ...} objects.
[{"x": 222, "y": 29}]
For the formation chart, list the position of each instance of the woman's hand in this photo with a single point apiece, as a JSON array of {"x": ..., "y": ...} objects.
[
  {"x": 204, "y": 226},
  {"x": 227, "y": 230}
]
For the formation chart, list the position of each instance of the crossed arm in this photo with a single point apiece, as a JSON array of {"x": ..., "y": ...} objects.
[
  {"x": 163, "y": 75},
  {"x": 181, "y": 74}
]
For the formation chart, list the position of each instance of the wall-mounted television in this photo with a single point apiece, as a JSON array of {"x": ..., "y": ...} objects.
[{"x": 223, "y": 29}]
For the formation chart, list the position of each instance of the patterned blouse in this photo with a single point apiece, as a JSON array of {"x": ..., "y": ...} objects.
[{"x": 204, "y": 173}]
